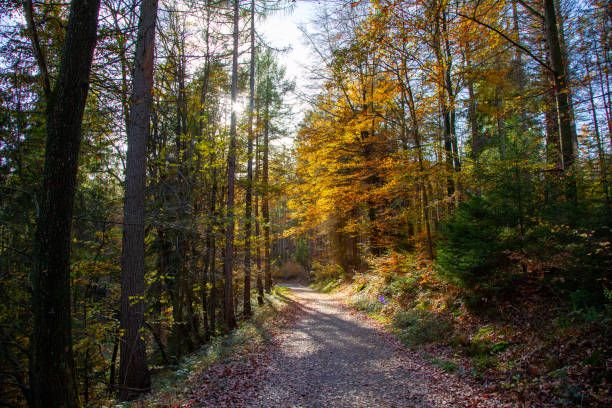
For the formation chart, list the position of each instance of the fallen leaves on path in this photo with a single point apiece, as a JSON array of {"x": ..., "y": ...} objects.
[
  {"x": 234, "y": 381},
  {"x": 323, "y": 353}
]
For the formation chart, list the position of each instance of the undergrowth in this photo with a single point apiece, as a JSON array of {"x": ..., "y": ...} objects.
[
  {"x": 169, "y": 385},
  {"x": 536, "y": 346},
  {"x": 326, "y": 277}
]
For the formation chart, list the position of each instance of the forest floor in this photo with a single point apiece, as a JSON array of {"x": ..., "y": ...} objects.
[{"x": 324, "y": 353}]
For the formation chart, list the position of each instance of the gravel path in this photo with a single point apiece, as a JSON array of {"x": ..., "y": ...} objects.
[{"x": 334, "y": 356}]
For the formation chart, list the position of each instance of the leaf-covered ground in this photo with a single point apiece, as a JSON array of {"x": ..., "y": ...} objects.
[{"x": 322, "y": 353}]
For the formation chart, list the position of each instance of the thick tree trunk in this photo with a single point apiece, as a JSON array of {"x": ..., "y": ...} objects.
[
  {"x": 228, "y": 264},
  {"x": 553, "y": 151},
  {"x": 52, "y": 376},
  {"x": 561, "y": 90},
  {"x": 561, "y": 85},
  {"x": 566, "y": 67},
  {"x": 134, "y": 376}
]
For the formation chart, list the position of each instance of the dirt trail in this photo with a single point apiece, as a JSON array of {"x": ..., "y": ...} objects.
[{"x": 334, "y": 356}]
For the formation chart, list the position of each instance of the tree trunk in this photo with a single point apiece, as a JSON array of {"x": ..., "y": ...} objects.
[
  {"x": 444, "y": 107},
  {"x": 52, "y": 377},
  {"x": 134, "y": 376},
  {"x": 600, "y": 151},
  {"x": 561, "y": 89},
  {"x": 230, "y": 319},
  {"x": 603, "y": 71},
  {"x": 477, "y": 144},
  {"x": 249, "y": 189},
  {"x": 211, "y": 255},
  {"x": 113, "y": 365},
  {"x": 260, "y": 286},
  {"x": 561, "y": 85},
  {"x": 265, "y": 203},
  {"x": 209, "y": 226},
  {"x": 451, "y": 96},
  {"x": 417, "y": 142},
  {"x": 566, "y": 65}
]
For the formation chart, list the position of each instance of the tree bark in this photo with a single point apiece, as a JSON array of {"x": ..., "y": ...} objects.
[
  {"x": 417, "y": 142},
  {"x": 566, "y": 67},
  {"x": 477, "y": 143},
  {"x": 561, "y": 89},
  {"x": 260, "y": 286},
  {"x": 134, "y": 376},
  {"x": 600, "y": 151},
  {"x": 230, "y": 319},
  {"x": 52, "y": 377},
  {"x": 265, "y": 203},
  {"x": 249, "y": 189},
  {"x": 444, "y": 106},
  {"x": 561, "y": 84}
]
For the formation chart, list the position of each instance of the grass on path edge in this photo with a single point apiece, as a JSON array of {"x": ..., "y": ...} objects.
[{"x": 170, "y": 385}]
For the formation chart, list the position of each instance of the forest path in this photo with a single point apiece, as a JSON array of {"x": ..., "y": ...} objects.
[{"x": 335, "y": 356}]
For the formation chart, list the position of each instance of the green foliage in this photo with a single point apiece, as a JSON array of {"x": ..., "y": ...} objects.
[
  {"x": 511, "y": 233},
  {"x": 366, "y": 304},
  {"x": 486, "y": 343},
  {"x": 403, "y": 285},
  {"x": 470, "y": 248},
  {"x": 583, "y": 273},
  {"x": 446, "y": 365},
  {"x": 419, "y": 326},
  {"x": 302, "y": 252}
]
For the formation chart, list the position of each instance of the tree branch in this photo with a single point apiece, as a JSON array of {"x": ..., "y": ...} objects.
[
  {"x": 40, "y": 58},
  {"x": 516, "y": 44},
  {"x": 530, "y": 9}
]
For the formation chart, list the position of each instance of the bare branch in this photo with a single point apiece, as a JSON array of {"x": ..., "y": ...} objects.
[
  {"x": 507, "y": 38},
  {"x": 530, "y": 9},
  {"x": 40, "y": 58}
]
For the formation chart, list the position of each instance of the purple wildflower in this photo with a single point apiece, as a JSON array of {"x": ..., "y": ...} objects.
[{"x": 382, "y": 299}]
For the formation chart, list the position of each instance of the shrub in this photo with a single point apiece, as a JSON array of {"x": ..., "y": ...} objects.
[
  {"x": 366, "y": 304},
  {"x": 418, "y": 326},
  {"x": 293, "y": 270},
  {"x": 326, "y": 272},
  {"x": 469, "y": 248},
  {"x": 405, "y": 284}
]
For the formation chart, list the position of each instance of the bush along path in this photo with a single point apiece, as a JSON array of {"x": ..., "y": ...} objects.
[{"x": 323, "y": 353}]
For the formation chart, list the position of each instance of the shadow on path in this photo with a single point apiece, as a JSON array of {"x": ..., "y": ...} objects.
[{"x": 333, "y": 357}]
